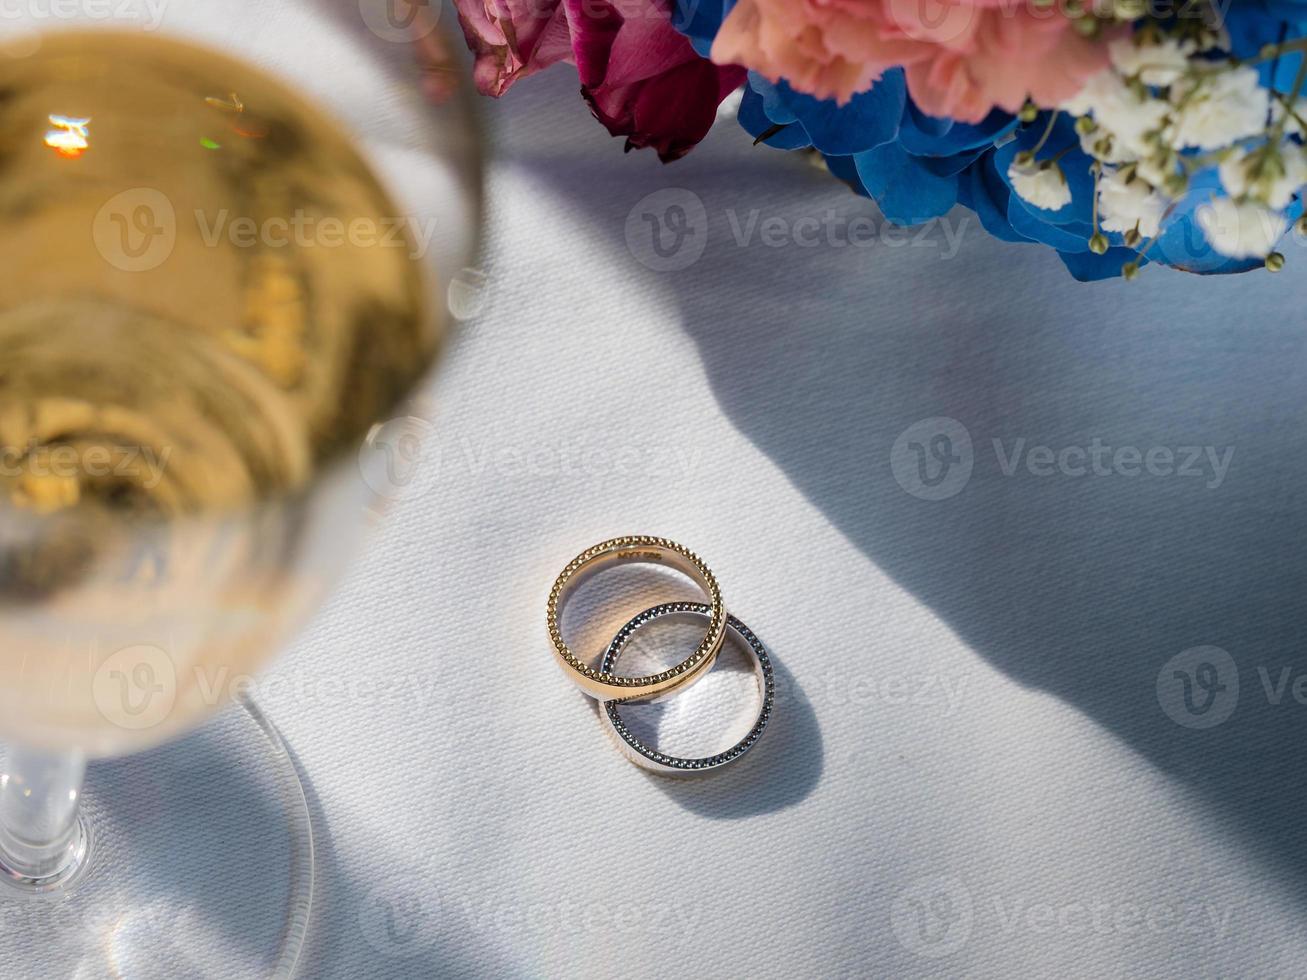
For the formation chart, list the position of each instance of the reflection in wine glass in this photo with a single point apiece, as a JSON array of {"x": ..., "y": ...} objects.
[{"x": 209, "y": 303}]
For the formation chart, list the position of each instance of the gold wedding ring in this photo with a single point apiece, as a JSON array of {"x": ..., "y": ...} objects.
[{"x": 621, "y": 551}]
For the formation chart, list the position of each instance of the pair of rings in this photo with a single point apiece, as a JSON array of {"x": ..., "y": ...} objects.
[{"x": 613, "y": 690}]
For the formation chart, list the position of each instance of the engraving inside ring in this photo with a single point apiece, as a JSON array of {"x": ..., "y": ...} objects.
[{"x": 597, "y": 605}]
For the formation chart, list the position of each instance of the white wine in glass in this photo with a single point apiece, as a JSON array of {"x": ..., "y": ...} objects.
[{"x": 207, "y": 302}]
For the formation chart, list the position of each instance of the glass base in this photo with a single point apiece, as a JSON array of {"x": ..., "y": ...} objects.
[{"x": 198, "y": 865}]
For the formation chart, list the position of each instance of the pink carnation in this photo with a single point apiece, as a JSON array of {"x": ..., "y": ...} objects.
[
  {"x": 642, "y": 79},
  {"x": 962, "y": 58}
]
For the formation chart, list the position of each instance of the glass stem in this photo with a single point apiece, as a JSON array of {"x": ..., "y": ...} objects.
[{"x": 42, "y": 841}]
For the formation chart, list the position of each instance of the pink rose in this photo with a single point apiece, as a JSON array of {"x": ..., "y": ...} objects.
[
  {"x": 513, "y": 38},
  {"x": 962, "y": 58},
  {"x": 642, "y": 79}
]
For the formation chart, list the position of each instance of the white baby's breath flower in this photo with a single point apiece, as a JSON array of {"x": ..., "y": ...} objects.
[
  {"x": 1292, "y": 127},
  {"x": 1155, "y": 64},
  {"x": 1234, "y": 174},
  {"x": 1218, "y": 108},
  {"x": 1122, "y": 113},
  {"x": 1084, "y": 101},
  {"x": 1241, "y": 231},
  {"x": 1043, "y": 186},
  {"x": 1156, "y": 169},
  {"x": 1249, "y": 174},
  {"x": 1124, "y": 205},
  {"x": 1295, "y": 177}
]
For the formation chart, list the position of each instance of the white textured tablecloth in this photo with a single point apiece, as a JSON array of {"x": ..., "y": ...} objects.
[{"x": 981, "y": 762}]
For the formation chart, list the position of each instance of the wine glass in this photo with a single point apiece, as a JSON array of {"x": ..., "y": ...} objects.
[{"x": 209, "y": 301}]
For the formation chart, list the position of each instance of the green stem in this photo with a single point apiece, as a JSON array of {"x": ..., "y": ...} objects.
[
  {"x": 1048, "y": 131},
  {"x": 1299, "y": 81}
]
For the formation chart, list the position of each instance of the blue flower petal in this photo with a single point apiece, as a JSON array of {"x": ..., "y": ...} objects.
[
  {"x": 1254, "y": 25},
  {"x": 699, "y": 20},
  {"x": 931, "y": 136},
  {"x": 753, "y": 117},
  {"x": 868, "y": 120},
  {"x": 846, "y": 170},
  {"x": 774, "y": 102},
  {"x": 1088, "y": 267},
  {"x": 908, "y": 193},
  {"x": 981, "y": 190},
  {"x": 1183, "y": 244},
  {"x": 950, "y": 166},
  {"x": 1075, "y": 164},
  {"x": 1063, "y": 237}
]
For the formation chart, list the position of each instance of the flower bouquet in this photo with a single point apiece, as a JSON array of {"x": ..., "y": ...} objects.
[{"x": 1117, "y": 132}]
